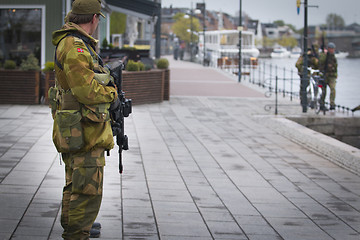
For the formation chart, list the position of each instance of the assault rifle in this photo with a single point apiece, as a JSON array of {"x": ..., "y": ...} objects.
[
  {"x": 119, "y": 112},
  {"x": 314, "y": 51}
]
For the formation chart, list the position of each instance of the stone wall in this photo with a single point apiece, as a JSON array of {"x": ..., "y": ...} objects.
[{"x": 346, "y": 130}]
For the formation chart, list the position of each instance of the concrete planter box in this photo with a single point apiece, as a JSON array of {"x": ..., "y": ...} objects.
[{"x": 19, "y": 87}]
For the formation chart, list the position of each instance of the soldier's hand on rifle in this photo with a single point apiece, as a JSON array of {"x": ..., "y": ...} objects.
[
  {"x": 115, "y": 105},
  {"x": 115, "y": 113}
]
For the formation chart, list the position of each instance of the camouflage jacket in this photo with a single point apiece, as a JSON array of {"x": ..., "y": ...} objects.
[
  {"x": 329, "y": 66},
  {"x": 80, "y": 90},
  {"x": 312, "y": 62}
]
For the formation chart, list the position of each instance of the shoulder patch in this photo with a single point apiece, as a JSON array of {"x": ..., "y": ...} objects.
[{"x": 80, "y": 50}]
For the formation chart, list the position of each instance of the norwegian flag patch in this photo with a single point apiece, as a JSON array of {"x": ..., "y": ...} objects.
[{"x": 80, "y": 50}]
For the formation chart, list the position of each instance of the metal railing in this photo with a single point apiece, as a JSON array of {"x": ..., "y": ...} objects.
[{"x": 280, "y": 81}]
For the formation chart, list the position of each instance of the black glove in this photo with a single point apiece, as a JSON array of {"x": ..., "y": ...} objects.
[
  {"x": 116, "y": 128},
  {"x": 111, "y": 84},
  {"x": 115, "y": 69},
  {"x": 114, "y": 105}
]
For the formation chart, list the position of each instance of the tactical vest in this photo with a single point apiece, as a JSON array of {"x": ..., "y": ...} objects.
[
  {"x": 68, "y": 112},
  {"x": 63, "y": 97}
]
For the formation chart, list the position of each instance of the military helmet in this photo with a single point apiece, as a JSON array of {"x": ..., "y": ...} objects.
[
  {"x": 331, "y": 45},
  {"x": 87, "y": 7}
]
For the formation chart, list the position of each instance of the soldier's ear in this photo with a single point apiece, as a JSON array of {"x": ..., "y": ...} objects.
[{"x": 94, "y": 18}]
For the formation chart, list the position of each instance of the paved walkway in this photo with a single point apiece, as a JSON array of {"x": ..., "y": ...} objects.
[{"x": 210, "y": 163}]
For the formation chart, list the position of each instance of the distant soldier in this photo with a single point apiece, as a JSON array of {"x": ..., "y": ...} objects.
[
  {"x": 313, "y": 62},
  {"x": 328, "y": 66},
  {"x": 80, "y": 104}
]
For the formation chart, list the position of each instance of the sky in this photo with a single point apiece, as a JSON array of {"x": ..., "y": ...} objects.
[{"x": 268, "y": 11}]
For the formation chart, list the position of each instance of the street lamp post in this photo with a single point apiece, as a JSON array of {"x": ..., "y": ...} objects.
[
  {"x": 305, "y": 80},
  {"x": 202, "y": 8},
  {"x": 204, "y": 29},
  {"x": 240, "y": 36},
  {"x": 197, "y": 11},
  {"x": 191, "y": 32}
]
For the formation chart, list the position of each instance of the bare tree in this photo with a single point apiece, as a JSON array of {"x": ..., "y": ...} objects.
[{"x": 334, "y": 21}]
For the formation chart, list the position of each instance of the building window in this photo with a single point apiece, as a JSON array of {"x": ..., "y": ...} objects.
[{"x": 20, "y": 34}]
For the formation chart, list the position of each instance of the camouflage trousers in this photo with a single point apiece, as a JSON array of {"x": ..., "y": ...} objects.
[
  {"x": 303, "y": 87},
  {"x": 331, "y": 82},
  {"x": 82, "y": 192}
]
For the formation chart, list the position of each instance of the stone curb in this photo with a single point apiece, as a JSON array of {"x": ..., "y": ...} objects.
[{"x": 337, "y": 152}]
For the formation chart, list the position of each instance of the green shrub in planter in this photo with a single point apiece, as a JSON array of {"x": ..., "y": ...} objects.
[
  {"x": 141, "y": 66},
  {"x": 49, "y": 67},
  {"x": 10, "y": 64},
  {"x": 132, "y": 66},
  {"x": 31, "y": 63},
  {"x": 129, "y": 48},
  {"x": 148, "y": 67},
  {"x": 105, "y": 44},
  {"x": 162, "y": 63}
]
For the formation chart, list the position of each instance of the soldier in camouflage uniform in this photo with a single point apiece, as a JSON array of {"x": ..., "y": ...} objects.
[
  {"x": 328, "y": 65},
  {"x": 82, "y": 129},
  {"x": 313, "y": 62}
]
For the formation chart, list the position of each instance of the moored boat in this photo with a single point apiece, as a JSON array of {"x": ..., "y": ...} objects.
[
  {"x": 280, "y": 52},
  {"x": 295, "y": 52},
  {"x": 223, "y": 44},
  {"x": 341, "y": 54}
]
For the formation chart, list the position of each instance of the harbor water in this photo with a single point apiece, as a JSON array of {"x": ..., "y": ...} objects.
[{"x": 348, "y": 81}]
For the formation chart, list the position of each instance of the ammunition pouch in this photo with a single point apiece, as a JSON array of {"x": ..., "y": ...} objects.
[
  {"x": 96, "y": 113},
  {"x": 67, "y": 131},
  {"x": 68, "y": 101},
  {"x": 53, "y": 100}
]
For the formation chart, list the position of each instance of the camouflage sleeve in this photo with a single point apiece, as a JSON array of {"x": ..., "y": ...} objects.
[
  {"x": 314, "y": 63},
  {"x": 78, "y": 66},
  {"x": 299, "y": 64},
  {"x": 322, "y": 60}
]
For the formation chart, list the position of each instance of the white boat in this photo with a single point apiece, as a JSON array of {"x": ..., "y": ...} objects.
[
  {"x": 223, "y": 44},
  {"x": 295, "y": 52},
  {"x": 280, "y": 52},
  {"x": 341, "y": 54}
]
